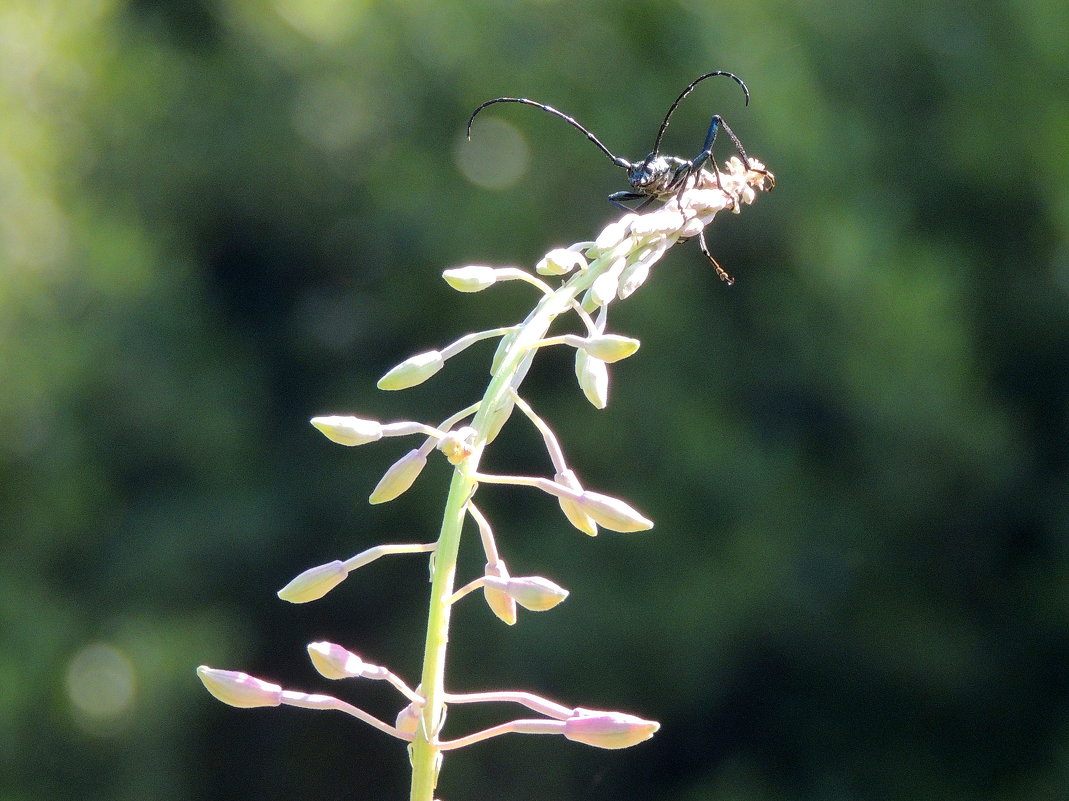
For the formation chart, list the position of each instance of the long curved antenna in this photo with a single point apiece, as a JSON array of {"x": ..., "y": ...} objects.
[
  {"x": 619, "y": 162},
  {"x": 685, "y": 92}
]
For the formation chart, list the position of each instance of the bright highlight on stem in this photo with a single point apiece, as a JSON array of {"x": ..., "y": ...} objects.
[{"x": 592, "y": 276}]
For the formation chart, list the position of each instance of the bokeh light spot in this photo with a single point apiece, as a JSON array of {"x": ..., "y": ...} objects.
[
  {"x": 496, "y": 157},
  {"x": 100, "y": 683}
]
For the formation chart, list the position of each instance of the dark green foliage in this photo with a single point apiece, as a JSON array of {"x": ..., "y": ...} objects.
[{"x": 221, "y": 219}]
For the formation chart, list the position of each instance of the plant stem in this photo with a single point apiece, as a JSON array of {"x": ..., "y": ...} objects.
[{"x": 425, "y": 752}]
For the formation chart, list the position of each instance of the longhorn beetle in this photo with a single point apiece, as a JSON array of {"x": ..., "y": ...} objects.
[{"x": 656, "y": 177}]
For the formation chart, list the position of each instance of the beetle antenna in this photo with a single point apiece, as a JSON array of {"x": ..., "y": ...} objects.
[
  {"x": 685, "y": 92},
  {"x": 619, "y": 162}
]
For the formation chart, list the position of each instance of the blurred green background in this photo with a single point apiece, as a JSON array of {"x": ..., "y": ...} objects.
[{"x": 218, "y": 219}]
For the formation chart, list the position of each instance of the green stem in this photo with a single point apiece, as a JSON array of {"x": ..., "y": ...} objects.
[{"x": 424, "y": 752}]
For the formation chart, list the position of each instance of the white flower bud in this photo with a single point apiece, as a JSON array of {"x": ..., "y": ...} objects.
[
  {"x": 610, "y": 347},
  {"x": 575, "y": 515},
  {"x": 560, "y": 261},
  {"x": 612, "y": 513},
  {"x": 314, "y": 583},
  {"x": 239, "y": 689},
  {"x": 334, "y": 662},
  {"x": 347, "y": 430},
  {"x": 608, "y": 729},
  {"x": 399, "y": 477},
  {"x": 412, "y": 371},
  {"x": 593, "y": 378},
  {"x": 604, "y": 288},
  {"x": 470, "y": 279}
]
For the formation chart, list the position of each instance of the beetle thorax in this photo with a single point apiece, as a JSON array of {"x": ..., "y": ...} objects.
[{"x": 651, "y": 175}]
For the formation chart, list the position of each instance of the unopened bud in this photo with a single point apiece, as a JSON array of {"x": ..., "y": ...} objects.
[
  {"x": 608, "y": 729},
  {"x": 612, "y": 513},
  {"x": 239, "y": 689},
  {"x": 470, "y": 279},
  {"x": 560, "y": 261},
  {"x": 604, "y": 288},
  {"x": 346, "y": 430},
  {"x": 334, "y": 662},
  {"x": 314, "y": 583},
  {"x": 593, "y": 378},
  {"x": 412, "y": 371},
  {"x": 500, "y": 602},
  {"x": 576, "y": 516},
  {"x": 399, "y": 477},
  {"x": 408, "y": 719},
  {"x": 610, "y": 347},
  {"x": 531, "y": 592}
]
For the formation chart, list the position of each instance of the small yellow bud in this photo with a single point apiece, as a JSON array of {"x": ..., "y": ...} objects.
[
  {"x": 593, "y": 378},
  {"x": 560, "y": 261},
  {"x": 470, "y": 279},
  {"x": 500, "y": 602},
  {"x": 399, "y": 477},
  {"x": 314, "y": 583},
  {"x": 575, "y": 515},
  {"x": 610, "y": 347},
  {"x": 531, "y": 592},
  {"x": 334, "y": 662},
  {"x": 408, "y": 719},
  {"x": 347, "y": 430},
  {"x": 239, "y": 689},
  {"x": 412, "y": 371},
  {"x": 457, "y": 446}
]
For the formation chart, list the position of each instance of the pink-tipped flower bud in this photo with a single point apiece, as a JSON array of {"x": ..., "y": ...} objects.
[
  {"x": 500, "y": 602},
  {"x": 612, "y": 513},
  {"x": 560, "y": 261},
  {"x": 608, "y": 729},
  {"x": 610, "y": 347},
  {"x": 576, "y": 516},
  {"x": 239, "y": 689},
  {"x": 334, "y": 662},
  {"x": 314, "y": 583},
  {"x": 593, "y": 378},
  {"x": 470, "y": 279},
  {"x": 401, "y": 475},
  {"x": 412, "y": 371},
  {"x": 348, "y": 430}
]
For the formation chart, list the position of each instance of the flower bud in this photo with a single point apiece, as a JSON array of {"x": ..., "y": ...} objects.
[
  {"x": 531, "y": 592},
  {"x": 613, "y": 233},
  {"x": 610, "y": 347},
  {"x": 314, "y": 583},
  {"x": 612, "y": 513},
  {"x": 408, "y": 719},
  {"x": 347, "y": 430},
  {"x": 500, "y": 602},
  {"x": 239, "y": 689},
  {"x": 593, "y": 378},
  {"x": 575, "y": 515},
  {"x": 608, "y": 729},
  {"x": 412, "y": 371},
  {"x": 334, "y": 662},
  {"x": 399, "y": 477},
  {"x": 470, "y": 279},
  {"x": 604, "y": 288},
  {"x": 560, "y": 261}
]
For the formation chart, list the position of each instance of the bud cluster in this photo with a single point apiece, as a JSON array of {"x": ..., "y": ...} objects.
[{"x": 591, "y": 276}]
